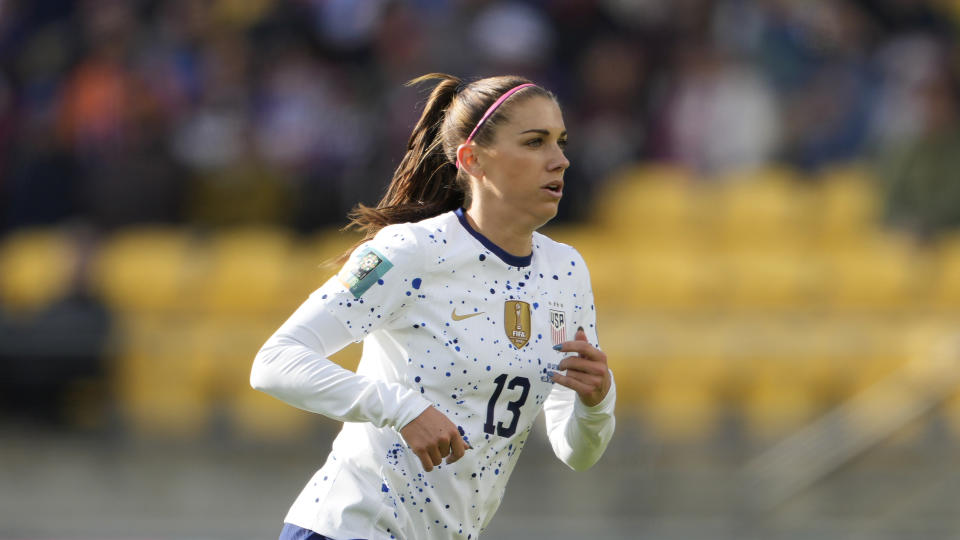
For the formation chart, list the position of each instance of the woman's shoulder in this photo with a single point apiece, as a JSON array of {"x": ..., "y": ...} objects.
[
  {"x": 416, "y": 231},
  {"x": 414, "y": 238},
  {"x": 558, "y": 251},
  {"x": 543, "y": 241}
]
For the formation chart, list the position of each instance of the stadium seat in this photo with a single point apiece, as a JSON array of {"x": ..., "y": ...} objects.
[
  {"x": 848, "y": 206},
  {"x": 329, "y": 244},
  {"x": 148, "y": 270},
  {"x": 879, "y": 273},
  {"x": 820, "y": 353},
  {"x": 776, "y": 406},
  {"x": 36, "y": 268},
  {"x": 636, "y": 350},
  {"x": 260, "y": 417},
  {"x": 248, "y": 273},
  {"x": 761, "y": 208},
  {"x": 943, "y": 292},
  {"x": 650, "y": 204},
  {"x": 161, "y": 389},
  {"x": 314, "y": 260},
  {"x": 680, "y": 413},
  {"x": 684, "y": 366},
  {"x": 223, "y": 353},
  {"x": 669, "y": 279},
  {"x": 768, "y": 280}
]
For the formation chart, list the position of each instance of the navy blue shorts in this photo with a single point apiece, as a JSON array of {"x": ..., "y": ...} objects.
[{"x": 292, "y": 532}]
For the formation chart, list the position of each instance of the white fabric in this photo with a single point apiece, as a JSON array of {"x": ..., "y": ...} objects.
[{"x": 434, "y": 327}]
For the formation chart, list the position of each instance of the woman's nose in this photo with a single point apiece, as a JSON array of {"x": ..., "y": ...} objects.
[{"x": 560, "y": 161}]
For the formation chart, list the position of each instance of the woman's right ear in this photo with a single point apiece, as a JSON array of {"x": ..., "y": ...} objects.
[{"x": 468, "y": 160}]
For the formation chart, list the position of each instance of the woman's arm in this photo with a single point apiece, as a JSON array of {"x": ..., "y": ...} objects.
[
  {"x": 579, "y": 411},
  {"x": 293, "y": 367}
]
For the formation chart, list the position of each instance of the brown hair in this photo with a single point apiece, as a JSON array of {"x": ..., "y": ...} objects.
[{"x": 427, "y": 182}]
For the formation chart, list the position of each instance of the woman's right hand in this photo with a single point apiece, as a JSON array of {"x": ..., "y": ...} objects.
[{"x": 432, "y": 437}]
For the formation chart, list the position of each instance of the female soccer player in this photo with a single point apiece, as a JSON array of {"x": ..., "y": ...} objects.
[{"x": 465, "y": 313}]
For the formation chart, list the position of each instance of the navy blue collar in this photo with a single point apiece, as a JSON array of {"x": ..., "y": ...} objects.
[{"x": 511, "y": 260}]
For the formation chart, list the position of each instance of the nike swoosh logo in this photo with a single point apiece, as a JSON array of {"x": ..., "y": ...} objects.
[{"x": 454, "y": 316}]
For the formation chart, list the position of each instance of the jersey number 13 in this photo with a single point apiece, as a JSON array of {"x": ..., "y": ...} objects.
[{"x": 513, "y": 406}]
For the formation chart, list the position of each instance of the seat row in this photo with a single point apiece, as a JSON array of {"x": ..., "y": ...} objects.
[
  {"x": 167, "y": 270},
  {"x": 666, "y": 204},
  {"x": 176, "y": 376},
  {"x": 269, "y": 271},
  {"x": 882, "y": 272}
]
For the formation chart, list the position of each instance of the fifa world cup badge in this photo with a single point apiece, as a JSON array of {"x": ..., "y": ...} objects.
[{"x": 516, "y": 322}]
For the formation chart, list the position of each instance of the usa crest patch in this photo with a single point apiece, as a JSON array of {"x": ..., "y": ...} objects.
[
  {"x": 363, "y": 270},
  {"x": 558, "y": 326}
]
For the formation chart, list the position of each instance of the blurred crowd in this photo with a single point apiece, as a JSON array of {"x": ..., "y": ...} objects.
[{"x": 221, "y": 112}]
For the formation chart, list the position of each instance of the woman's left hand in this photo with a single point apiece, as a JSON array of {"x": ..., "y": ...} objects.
[{"x": 587, "y": 373}]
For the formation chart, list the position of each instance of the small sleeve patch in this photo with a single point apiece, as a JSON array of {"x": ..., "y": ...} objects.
[{"x": 363, "y": 270}]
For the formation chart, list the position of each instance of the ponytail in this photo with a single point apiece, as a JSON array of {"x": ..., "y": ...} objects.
[{"x": 427, "y": 182}]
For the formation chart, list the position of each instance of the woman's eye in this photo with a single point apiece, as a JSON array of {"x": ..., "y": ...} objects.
[
  {"x": 535, "y": 142},
  {"x": 562, "y": 143}
]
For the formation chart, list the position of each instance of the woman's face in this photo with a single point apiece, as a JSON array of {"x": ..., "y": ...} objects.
[{"x": 523, "y": 167}]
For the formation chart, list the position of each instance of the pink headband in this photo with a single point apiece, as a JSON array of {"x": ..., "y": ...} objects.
[{"x": 490, "y": 111}]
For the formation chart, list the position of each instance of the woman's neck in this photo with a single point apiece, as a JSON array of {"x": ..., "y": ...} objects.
[{"x": 509, "y": 234}]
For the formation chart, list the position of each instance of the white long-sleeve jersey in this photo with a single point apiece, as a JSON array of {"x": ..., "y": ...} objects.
[{"x": 447, "y": 319}]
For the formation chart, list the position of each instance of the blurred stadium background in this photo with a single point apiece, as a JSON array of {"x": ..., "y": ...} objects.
[{"x": 766, "y": 191}]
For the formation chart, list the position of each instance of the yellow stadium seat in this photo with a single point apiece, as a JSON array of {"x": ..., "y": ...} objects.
[
  {"x": 223, "y": 353},
  {"x": 944, "y": 289},
  {"x": 223, "y": 349},
  {"x": 684, "y": 370},
  {"x": 761, "y": 208},
  {"x": 329, "y": 244},
  {"x": 876, "y": 348},
  {"x": 765, "y": 280},
  {"x": 306, "y": 271},
  {"x": 148, "y": 270},
  {"x": 314, "y": 260},
  {"x": 838, "y": 354},
  {"x": 36, "y": 268},
  {"x": 775, "y": 407},
  {"x": 848, "y": 206},
  {"x": 675, "y": 280},
  {"x": 696, "y": 351},
  {"x": 934, "y": 348},
  {"x": 161, "y": 390},
  {"x": 680, "y": 413},
  {"x": 248, "y": 272},
  {"x": 650, "y": 203},
  {"x": 636, "y": 351},
  {"x": 881, "y": 273},
  {"x": 258, "y": 416}
]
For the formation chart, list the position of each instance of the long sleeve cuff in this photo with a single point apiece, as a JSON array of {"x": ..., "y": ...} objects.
[{"x": 579, "y": 434}]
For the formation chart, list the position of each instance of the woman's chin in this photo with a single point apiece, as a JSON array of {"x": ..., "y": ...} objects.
[{"x": 548, "y": 212}]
